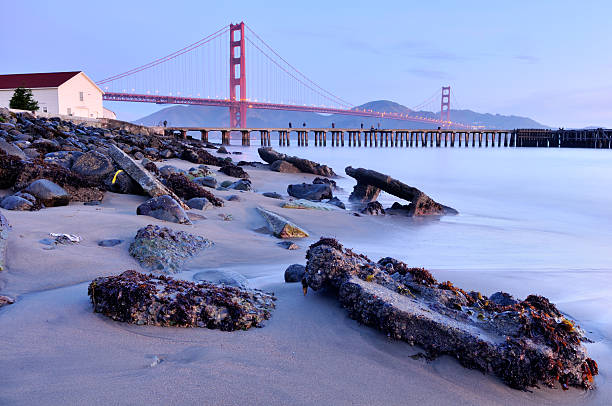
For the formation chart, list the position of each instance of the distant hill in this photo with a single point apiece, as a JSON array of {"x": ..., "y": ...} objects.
[{"x": 208, "y": 116}]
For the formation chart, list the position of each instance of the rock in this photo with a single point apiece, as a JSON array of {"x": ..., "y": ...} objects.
[
  {"x": 272, "y": 195},
  {"x": 10, "y": 169},
  {"x": 336, "y": 202},
  {"x": 66, "y": 239},
  {"x": 201, "y": 171},
  {"x": 142, "y": 299},
  {"x": 199, "y": 203},
  {"x": 166, "y": 154},
  {"x": 294, "y": 273},
  {"x": 121, "y": 182},
  {"x": 207, "y": 181},
  {"x": 187, "y": 189},
  {"x": 109, "y": 243},
  {"x": 5, "y": 300},
  {"x": 280, "y": 226},
  {"x": 288, "y": 245},
  {"x": 63, "y": 158},
  {"x": 31, "y": 153},
  {"x": 283, "y": 167},
  {"x": 151, "y": 152},
  {"x": 222, "y": 150},
  {"x": 503, "y": 299},
  {"x": 12, "y": 150},
  {"x": 161, "y": 249},
  {"x": 4, "y": 230},
  {"x": 164, "y": 208},
  {"x": 226, "y": 183},
  {"x": 94, "y": 165},
  {"x": 233, "y": 198},
  {"x": 369, "y": 184},
  {"x": 309, "y": 191},
  {"x": 44, "y": 145},
  {"x": 147, "y": 182},
  {"x": 218, "y": 277},
  {"x": 325, "y": 181},
  {"x": 48, "y": 193},
  {"x": 525, "y": 344},
  {"x": 16, "y": 203},
  {"x": 310, "y": 205},
  {"x": 234, "y": 171},
  {"x": 304, "y": 165},
  {"x": 242, "y": 184},
  {"x": 166, "y": 170},
  {"x": 26, "y": 196},
  {"x": 201, "y": 156},
  {"x": 373, "y": 209},
  {"x": 139, "y": 155}
]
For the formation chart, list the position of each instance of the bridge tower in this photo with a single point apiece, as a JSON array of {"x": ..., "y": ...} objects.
[
  {"x": 445, "y": 104},
  {"x": 237, "y": 77}
]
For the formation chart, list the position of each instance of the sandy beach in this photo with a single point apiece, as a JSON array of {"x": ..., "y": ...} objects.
[{"x": 55, "y": 350}]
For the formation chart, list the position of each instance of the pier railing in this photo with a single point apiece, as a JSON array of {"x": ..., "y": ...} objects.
[{"x": 359, "y": 137}]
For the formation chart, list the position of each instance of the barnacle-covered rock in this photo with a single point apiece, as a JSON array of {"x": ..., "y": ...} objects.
[
  {"x": 525, "y": 343},
  {"x": 161, "y": 249},
  {"x": 137, "y": 298}
]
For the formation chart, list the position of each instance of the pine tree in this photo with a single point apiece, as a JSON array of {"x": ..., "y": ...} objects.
[{"x": 23, "y": 100}]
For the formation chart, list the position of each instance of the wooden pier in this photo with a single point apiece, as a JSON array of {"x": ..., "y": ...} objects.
[{"x": 359, "y": 137}]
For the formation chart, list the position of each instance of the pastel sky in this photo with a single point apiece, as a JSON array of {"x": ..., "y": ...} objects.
[{"x": 548, "y": 60}]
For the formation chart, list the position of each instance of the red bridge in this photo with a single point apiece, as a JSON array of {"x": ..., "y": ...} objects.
[{"x": 199, "y": 74}]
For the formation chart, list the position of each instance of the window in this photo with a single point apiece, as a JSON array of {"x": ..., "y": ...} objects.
[
  {"x": 69, "y": 111},
  {"x": 44, "y": 109},
  {"x": 81, "y": 96}
]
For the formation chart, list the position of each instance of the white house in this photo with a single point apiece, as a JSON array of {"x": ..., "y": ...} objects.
[{"x": 65, "y": 93}]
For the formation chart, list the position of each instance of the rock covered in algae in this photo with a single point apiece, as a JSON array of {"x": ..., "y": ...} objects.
[
  {"x": 280, "y": 226},
  {"x": 525, "y": 343},
  {"x": 161, "y": 249},
  {"x": 137, "y": 298}
]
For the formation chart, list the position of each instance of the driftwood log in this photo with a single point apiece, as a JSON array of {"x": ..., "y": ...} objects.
[{"x": 370, "y": 183}]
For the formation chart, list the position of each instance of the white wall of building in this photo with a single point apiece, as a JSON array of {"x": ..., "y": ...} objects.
[
  {"x": 47, "y": 98},
  {"x": 80, "y": 97}
]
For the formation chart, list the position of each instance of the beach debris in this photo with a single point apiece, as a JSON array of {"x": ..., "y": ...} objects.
[
  {"x": 141, "y": 299},
  {"x": 294, "y": 273},
  {"x": 164, "y": 208},
  {"x": 149, "y": 183},
  {"x": 110, "y": 242},
  {"x": 5, "y": 300},
  {"x": 309, "y": 205},
  {"x": 222, "y": 277},
  {"x": 370, "y": 183},
  {"x": 4, "y": 230},
  {"x": 288, "y": 245},
  {"x": 160, "y": 249},
  {"x": 310, "y": 191},
  {"x": 373, "y": 209},
  {"x": 525, "y": 343},
  {"x": 304, "y": 165},
  {"x": 66, "y": 239},
  {"x": 280, "y": 226}
]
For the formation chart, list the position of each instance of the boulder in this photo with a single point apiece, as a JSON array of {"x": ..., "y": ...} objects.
[
  {"x": 147, "y": 182},
  {"x": 309, "y": 191},
  {"x": 309, "y": 205},
  {"x": 48, "y": 193},
  {"x": 141, "y": 299},
  {"x": 222, "y": 150},
  {"x": 199, "y": 203},
  {"x": 16, "y": 203},
  {"x": 325, "y": 181},
  {"x": 160, "y": 249},
  {"x": 295, "y": 273},
  {"x": 207, "y": 181},
  {"x": 12, "y": 150},
  {"x": 242, "y": 184},
  {"x": 234, "y": 171},
  {"x": 93, "y": 165},
  {"x": 280, "y": 226},
  {"x": 121, "y": 182},
  {"x": 63, "y": 158},
  {"x": 304, "y": 165},
  {"x": 283, "y": 167},
  {"x": 166, "y": 170},
  {"x": 525, "y": 344},
  {"x": 219, "y": 277},
  {"x": 272, "y": 195},
  {"x": 164, "y": 208},
  {"x": 373, "y": 209},
  {"x": 370, "y": 183},
  {"x": 4, "y": 230}
]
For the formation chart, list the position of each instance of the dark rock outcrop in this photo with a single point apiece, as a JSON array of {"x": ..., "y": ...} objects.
[
  {"x": 373, "y": 209},
  {"x": 234, "y": 171},
  {"x": 304, "y": 165},
  {"x": 93, "y": 165},
  {"x": 309, "y": 191},
  {"x": 160, "y": 249},
  {"x": 369, "y": 184},
  {"x": 526, "y": 343},
  {"x": 283, "y": 167},
  {"x": 187, "y": 189},
  {"x": 142, "y": 299},
  {"x": 294, "y": 273},
  {"x": 163, "y": 208}
]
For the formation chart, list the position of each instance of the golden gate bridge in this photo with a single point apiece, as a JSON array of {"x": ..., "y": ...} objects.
[{"x": 211, "y": 73}]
